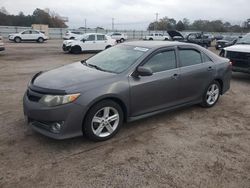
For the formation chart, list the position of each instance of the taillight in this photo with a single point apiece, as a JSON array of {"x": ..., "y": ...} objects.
[{"x": 231, "y": 63}]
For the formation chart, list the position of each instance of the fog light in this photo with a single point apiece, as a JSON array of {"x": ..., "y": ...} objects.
[{"x": 56, "y": 127}]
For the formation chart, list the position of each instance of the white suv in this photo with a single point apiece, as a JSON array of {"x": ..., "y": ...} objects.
[
  {"x": 88, "y": 42},
  {"x": 69, "y": 35},
  {"x": 1, "y": 44},
  {"x": 156, "y": 36},
  {"x": 119, "y": 37},
  {"x": 28, "y": 35}
]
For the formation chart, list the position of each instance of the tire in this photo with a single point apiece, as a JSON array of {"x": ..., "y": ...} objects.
[
  {"x": 150, "y": 39},
  {"x": 166, "y": 39},
  {"x": 122, "y": 40},
  {"x": 211, "y": 95},
  {"x": 76, "y": 50},
  {"x": 97, "y": 126},
  {"x": 17, "y": 39},
  {"x": 40, "y": 40},
  {"x": 107, "y": 47}
]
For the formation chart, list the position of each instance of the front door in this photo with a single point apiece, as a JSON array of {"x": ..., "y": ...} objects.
[{"x": 158, "y": 91}]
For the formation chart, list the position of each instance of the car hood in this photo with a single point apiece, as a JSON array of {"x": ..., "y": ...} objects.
[
  {"x": 174, "y": 33},
  {"x": 224, "y": 41},
  {"x": 239, "y": 48},
  {"x": 71, "y": 77}
]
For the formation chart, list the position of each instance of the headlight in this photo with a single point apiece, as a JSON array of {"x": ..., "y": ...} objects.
[{"x": 55, "y": 100}]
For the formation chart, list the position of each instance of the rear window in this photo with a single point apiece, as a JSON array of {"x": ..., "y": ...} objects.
[{"x": 189, "y": 57}]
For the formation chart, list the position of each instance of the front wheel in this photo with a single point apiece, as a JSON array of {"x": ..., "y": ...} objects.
[
  {"x": 211, "y": 95},
  {"x": 103, "y": 120},
  {"x": 76, "y": 50}
]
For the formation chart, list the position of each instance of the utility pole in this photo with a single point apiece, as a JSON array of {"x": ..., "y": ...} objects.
[
  {"x": 113, "y": 24},
  {"x": 85, "y": 24},
  {"x": 156, "y": 20}
]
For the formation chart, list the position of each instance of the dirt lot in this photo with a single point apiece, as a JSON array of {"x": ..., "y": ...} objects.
[{"x": 192, "y": 147}]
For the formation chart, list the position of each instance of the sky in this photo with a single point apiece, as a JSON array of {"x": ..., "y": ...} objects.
[{"x": 134, "y": 14}]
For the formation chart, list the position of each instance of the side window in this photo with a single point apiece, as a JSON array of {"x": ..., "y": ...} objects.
[
  {"x": 206, "y": 58},
  {"x": 91, "y": 38},
  {"x": 101, "y": 37},
  {"x": 162, "y": 61},
  {"x": 156, "y": 34},
  {"x": 26, "y": 32},
  {"x": 35, "y": 32},
  {"x": 189, "y": 57}
]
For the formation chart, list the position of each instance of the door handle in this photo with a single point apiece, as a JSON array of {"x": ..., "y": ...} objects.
[
  {"x": 175, "y": 76},
  {"x": 210, "y": 68}
]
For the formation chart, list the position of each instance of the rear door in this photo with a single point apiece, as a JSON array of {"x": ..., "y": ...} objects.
[
  {"x": 158, "y": 91},
  {"x": 101, "y": 42},
  {"x": 196, "y": 72},
  {"x": 34, "y": 35}
]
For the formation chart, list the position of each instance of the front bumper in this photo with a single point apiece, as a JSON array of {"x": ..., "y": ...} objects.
[
  {"x": 41, "y": 118},
  {"x": 66, "y": 48},
  {"x": 241, "y": 69}
]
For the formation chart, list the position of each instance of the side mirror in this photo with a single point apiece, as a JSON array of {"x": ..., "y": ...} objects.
[{"x": 144, "y": 71}]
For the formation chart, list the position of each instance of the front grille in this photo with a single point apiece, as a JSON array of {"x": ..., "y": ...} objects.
[
  {"x": 239, "y": 59},
  {"x": 34, "y": 95}
]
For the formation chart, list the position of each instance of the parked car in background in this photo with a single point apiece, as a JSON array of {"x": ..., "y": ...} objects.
[
  {"x": 2, "y": 48},
  {"x": 156, "y": 36},
  {"x": 209, "y": 36},
  {"x": 195, "y": 38},
  {"x": 127, "y": 82},
  {"x": 119, "y": 37},
  {"x": 88, "y": 42},
  {"x": 69, "y": 35},
  {"x": 239, "y": 54},
  {"x": 218, "y": 37},
  {"x": 225, "y": 42},
  {"x": 28, "y": 35}
]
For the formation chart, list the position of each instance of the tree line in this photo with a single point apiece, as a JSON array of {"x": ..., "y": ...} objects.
[
  {"x": 166, "y": 23},
  {"x": 39, "y": 16}
]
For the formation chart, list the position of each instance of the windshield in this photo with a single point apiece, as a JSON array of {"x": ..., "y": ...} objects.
[
  {"x": 229, "y": 38},
  {"x": 245, "y": 39},
  {"x": 116, "y": 59}
]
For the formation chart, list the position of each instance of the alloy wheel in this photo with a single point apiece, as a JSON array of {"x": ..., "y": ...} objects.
[
  {"x": 212, "y": 94},
  {"x": 105, "y": 122}
]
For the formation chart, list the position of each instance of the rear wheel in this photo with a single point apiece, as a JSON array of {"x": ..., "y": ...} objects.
[
  {"x": 103, "y": 120},
  {"x": 76, "y": 50},
  {"x": 211, "y": 95},
  {"x": 150, "y": 39},
  {"x": 122, "y": 40},
  {"x": 107, "y": 47},
  {"x": 41, "y": 40},
  {"x": 17, "y": 39}
]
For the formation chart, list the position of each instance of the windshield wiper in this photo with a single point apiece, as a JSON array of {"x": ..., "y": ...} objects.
[
  {"x": 96, "y": 67},
  {"x": 242, "y": 43}
]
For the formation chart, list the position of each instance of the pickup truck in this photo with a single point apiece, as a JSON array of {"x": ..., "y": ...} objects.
[
  {"x": 195, "y": 38},
  {"x": 239, "y": 54},
  {"x": 156, "y": 36}
]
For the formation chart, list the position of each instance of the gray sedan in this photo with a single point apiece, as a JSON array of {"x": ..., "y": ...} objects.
[{"x": 127, "y": 82}]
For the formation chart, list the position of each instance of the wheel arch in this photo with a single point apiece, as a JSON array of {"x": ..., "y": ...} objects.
[
  {"x": 116, "y": 99},
  {"x": 221, "y": 84}
]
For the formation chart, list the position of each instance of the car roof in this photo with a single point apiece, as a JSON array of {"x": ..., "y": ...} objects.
[{"x": 157, "y": 44}]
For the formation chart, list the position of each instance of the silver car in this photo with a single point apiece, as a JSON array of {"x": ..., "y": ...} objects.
[{"x": 127, "y": 82}]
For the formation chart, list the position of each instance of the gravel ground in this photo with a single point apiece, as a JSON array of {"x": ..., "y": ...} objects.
[{"x": 191, "y": 147}]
